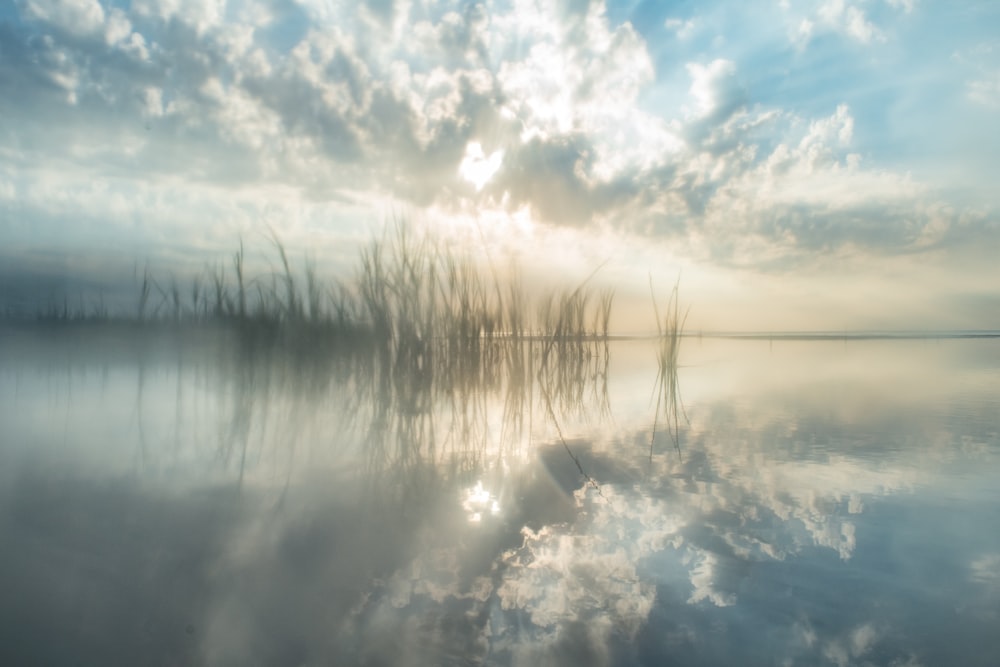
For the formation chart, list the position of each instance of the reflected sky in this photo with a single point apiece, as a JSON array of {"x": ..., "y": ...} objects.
[{"x": 824, "y": 502}]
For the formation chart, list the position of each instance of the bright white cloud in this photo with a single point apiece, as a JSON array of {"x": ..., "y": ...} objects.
[
  {"x": 711, "y": 86},
  {"x": 557, "y": 89}
]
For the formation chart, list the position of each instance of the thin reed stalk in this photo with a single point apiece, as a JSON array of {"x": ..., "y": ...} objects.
[{"x": 669, "y": 332}]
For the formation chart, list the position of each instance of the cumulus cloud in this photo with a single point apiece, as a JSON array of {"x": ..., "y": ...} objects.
[{"x": 713, "y": 90}]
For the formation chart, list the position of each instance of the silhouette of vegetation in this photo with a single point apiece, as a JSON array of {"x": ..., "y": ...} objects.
[
  {"x": 408, "y": 292},
  {"x": 670, "y": 329}
]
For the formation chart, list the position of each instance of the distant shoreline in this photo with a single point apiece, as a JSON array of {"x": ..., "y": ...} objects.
[
  {"x": 845, "y": 335},
  {"x": 821, "y": 335}
]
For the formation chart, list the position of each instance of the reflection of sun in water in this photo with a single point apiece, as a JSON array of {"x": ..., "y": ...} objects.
[
  {"x": 476, "y": 167},
  {"x": 478, "y": 501}
]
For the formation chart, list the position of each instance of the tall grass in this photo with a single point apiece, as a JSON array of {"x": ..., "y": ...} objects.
[
  {"x": 670, "y": 330},
  {"x": 412, "y": 293}
]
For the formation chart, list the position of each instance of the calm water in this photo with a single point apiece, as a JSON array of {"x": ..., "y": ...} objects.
[{"x": 215, "y": 503}]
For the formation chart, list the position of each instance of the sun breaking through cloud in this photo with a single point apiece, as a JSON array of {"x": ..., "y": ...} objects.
[{"x": 478, "y": 168}]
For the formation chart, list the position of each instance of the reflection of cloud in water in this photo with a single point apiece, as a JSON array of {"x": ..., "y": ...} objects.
[
  {"x": 857, "y": 646},
  {"x": 986, "y": 571},
  {"x": 703, "y": 580},
  {"x": 565, "y": 593},
  {"x": 819, "y": 497},
  {"x": 586, "y": 571},
  {"x": 688, "y": 532},
  {"x": 984, "y": 574}
]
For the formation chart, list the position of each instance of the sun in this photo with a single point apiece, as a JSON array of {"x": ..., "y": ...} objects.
[{"x": 476, "y": 167}]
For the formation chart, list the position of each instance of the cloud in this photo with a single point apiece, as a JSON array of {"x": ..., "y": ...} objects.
[
  {"x": 906, "y": 5},
  {"x": 847, "y": 650},
  {"x": 985, "y": 91},
  {"x": 848, "y": 18},
  {"x": 808, "y": 191},
  {"x": 201, "y": 15},
  {"x": 985, "y": 571},
  {"x": 843, "y": 17},
  {"x": 703, "y": 576},
  {"x": 713, "y": 89},
  {"x": 76, "y": 17},
  {"x": 683, "y": 29},
  {"x": 860, "y": 28},
  {"x": 803, "y": 33}
]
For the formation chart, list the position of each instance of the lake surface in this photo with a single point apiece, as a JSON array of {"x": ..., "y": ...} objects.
[{"x": 208, "y": 501}]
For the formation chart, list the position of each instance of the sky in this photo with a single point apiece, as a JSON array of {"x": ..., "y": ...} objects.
[{"x": 815, "y": 165}]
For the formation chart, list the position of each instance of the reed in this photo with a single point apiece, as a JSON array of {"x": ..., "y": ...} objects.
[
  {"x": 409, "y": 293},
  {"x": 670, "y": 330}
]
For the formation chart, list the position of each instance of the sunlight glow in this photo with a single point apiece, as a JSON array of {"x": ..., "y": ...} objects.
[
  {"x": 478, "y": 501},
  {"x": 476, "y": 167}
]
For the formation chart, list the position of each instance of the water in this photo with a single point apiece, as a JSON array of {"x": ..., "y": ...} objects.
[{"x": 215, "y": 502}]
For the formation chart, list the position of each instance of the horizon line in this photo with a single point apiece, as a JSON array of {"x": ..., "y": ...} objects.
[
  {"x": 829, "y": 334},
  {"x": 739, "y": 334}
]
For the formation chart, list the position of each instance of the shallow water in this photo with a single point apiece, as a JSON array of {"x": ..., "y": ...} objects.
[{"x": 205, "y": 502}]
